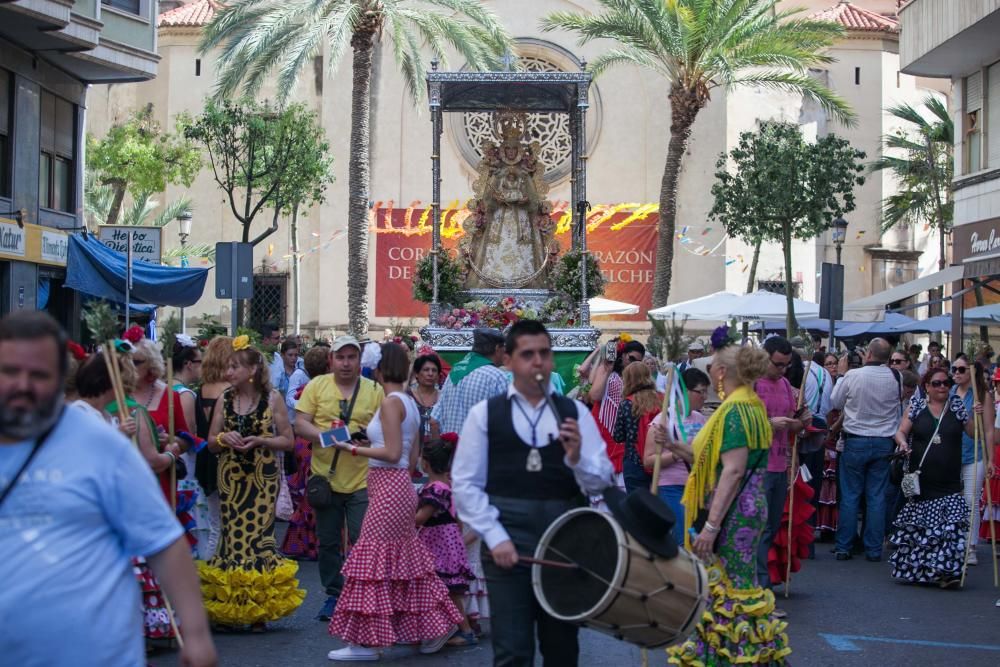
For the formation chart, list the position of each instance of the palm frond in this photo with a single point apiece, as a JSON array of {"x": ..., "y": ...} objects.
[
  {"x": 809, "y": 87},
  {"x": 142, "y": 206},
  {"x": 172, "y": 211},
  {"x": 195, "y": 250}
]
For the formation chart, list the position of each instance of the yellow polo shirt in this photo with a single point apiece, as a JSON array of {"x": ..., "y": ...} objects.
[{"x": 321, "y": 399}]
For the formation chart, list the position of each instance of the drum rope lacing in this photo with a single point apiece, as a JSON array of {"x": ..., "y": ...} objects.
[{"x": 644, "y": 597}]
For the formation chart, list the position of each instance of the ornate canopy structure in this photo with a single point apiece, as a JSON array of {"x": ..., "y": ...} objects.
[{"x": 523, "y": 91}]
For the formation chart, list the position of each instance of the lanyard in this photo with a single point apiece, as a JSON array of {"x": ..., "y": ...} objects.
[{"x": 533, "y": 424}]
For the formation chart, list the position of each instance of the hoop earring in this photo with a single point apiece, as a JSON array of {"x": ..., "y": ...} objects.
[{"x": 720, "y": 390}]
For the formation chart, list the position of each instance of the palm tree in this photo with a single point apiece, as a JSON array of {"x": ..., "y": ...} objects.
[
  {"x": 259, "y": 37},
  {"x": 920, "y": 157},
  {"x": 700, "y": 45},
  {"x": 922, "y": 162}
]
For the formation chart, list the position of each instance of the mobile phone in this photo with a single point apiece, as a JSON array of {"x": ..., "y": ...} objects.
[
  {"x": 610, "y": 350},
  {"x": 334, "y": 435},
  {"x": 359, "y": 435}
]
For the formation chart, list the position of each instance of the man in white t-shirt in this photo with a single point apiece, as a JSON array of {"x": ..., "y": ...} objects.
[{"x": 76, "y": 503}]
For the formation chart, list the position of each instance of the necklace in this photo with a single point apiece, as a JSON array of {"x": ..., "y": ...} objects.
[
  {"x": 534, "y": 462},
  {"x": 152, "y": 394}
]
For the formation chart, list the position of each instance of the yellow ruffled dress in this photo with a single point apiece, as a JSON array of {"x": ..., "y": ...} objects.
[
  {"x": 737, "y": 627},
  {"x": 248, "y": 582}
]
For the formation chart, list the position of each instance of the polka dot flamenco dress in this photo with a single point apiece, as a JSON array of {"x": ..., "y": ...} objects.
[{"x": 248, "y": 582}]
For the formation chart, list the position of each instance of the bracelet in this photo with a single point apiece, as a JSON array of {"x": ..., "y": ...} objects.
[
  {"x": 354, "y": 450},
  {"x": 710, "y": 528},
  {"x": 218, "y": 441},
  {"x": 173, "y": 459}
]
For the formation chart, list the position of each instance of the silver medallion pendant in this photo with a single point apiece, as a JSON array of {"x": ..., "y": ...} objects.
[
  {"x": 534, "y": 461},
  {"x": 936, "y": 440}
]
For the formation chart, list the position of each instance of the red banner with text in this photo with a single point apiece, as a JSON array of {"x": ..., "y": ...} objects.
[{"x": 622, "y": 237}]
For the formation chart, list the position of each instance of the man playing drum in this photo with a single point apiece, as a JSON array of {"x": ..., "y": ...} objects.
[{"x": 515, "y": 471}]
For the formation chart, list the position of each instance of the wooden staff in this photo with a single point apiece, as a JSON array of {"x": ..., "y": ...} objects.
[
  {"x": 654, "y": 486},
  {"x": 170, "y": 432},
  {"x": 979, "y": 431},
  {"x": 793, "y": 474}
]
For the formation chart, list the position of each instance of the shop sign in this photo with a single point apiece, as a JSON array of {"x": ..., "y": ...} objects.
[
  {"x": 12, "y": 240},
  {"x": 975, "y": 240},
  {"x": 55, "y": 247},
  {"x": 146, "y": 241}
]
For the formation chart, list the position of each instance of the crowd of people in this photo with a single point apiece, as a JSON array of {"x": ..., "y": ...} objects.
[{"x": 419, "y": 486}]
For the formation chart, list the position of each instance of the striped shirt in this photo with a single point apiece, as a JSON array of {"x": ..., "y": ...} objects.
[
  {"x": 869, "y": 397},
  {"x": 608, "y": 414}
]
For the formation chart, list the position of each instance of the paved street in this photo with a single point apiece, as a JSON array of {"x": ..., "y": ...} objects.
[{"x": 840, "y": 613}]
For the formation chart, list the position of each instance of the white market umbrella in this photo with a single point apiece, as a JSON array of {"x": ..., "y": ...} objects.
[
  {"x": 711, "y": 307},
  {"x": 760, "y": 305},
  {"x": 602, "y": 306}
]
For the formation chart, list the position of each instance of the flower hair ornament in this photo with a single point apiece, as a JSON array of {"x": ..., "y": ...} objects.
[
  {"x": 76, "y": 350},
  {"x": 241, "y": 343},
  {"x": 185, "y": 341},
  {"x": 723, "y": 336},
  {"x": 451, "y": 438},
  {"x": 371, "y": 355},
  {"x": 134, "y": 334}
]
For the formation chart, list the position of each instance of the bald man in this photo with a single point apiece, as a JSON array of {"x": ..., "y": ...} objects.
[{"x": 870, "y": 398}]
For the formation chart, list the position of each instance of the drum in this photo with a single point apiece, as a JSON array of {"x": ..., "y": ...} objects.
[{"x": 620, "y": 588}]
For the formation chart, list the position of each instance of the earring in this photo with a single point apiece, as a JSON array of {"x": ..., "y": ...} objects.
[
  {"x": 720, "y": 390},
  {"x": 251, "y": 380}
]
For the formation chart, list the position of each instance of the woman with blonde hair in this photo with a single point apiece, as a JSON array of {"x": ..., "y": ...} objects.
[
  {"x": 214, "y": 361},
  {"x": 247, "y": 582},
  {"x": 637, "y": 409},
  {"x": 725, "y": 506}
]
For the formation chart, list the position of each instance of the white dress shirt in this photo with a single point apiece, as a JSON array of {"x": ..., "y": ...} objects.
[{"x": 469, "y": 469}]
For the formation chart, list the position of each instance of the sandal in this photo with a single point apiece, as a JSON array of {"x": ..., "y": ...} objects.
[
  {"x": 462, "y": 639},
  {"x": 779, "y": 613}
]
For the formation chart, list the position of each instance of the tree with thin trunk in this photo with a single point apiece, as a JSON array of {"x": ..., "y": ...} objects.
[
  {"x": 782, "y": 187},
  {"x": 919, "y": 155},
  {"x": 137, "y": 158},
  {"x": 698, "y": 46},
  {"x": 261, "y": 37}
]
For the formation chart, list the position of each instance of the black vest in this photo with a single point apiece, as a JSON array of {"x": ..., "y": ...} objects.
[{"x": 508, "y": 454}]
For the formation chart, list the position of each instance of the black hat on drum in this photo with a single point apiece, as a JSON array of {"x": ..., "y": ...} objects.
[{"x": 645, "y": 517}]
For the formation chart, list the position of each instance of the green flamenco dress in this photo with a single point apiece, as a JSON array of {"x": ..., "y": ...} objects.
[{"x": 737, "y": 627}]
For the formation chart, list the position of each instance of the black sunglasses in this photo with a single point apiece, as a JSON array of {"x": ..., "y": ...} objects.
[
  {"x": 896, "y": 362},
  {"x": 959, "y": 369},
  {"x": 937, "y": 384}
]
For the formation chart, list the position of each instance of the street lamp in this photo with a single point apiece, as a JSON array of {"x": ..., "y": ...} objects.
[
  {"x": 839, "y": 236},
  {"x": 184, "y": 230}
]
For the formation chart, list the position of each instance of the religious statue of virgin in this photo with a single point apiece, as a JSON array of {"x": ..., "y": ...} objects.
[{"x": 508, "y": 240}]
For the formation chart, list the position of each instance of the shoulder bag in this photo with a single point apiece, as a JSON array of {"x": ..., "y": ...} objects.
[
  {"x": 910, "y": 483},
  {"x": 318, "y": 490}
]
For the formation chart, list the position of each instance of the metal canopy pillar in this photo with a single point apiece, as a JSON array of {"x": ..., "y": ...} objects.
[{"x": 434, "y": 95}]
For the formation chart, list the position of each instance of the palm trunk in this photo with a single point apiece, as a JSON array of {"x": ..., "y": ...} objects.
[
  {"x": 296, "y": 282},
  {"x": 751, "y": 279},
  {"x": 786, "y": 242},
  {"x": 358, "y": 184},
  {"x": 684, "y": 108}
]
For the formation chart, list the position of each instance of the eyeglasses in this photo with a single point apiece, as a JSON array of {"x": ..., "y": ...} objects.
[
  {"x": 937, "y": 384},
  {"x": 781, "y": 364},
  {"x": 959, "y": 369},
  {"x": 896, "y": 362},
  {"x": 631, "y": 358}
]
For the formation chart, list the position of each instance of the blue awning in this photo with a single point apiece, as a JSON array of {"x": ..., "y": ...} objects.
[{"x": 93, "y": 268}]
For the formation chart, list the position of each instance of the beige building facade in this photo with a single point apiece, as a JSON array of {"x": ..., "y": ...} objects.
[
  {"x": 628, "y": 133},
  {"x": 960, "y": 42}
]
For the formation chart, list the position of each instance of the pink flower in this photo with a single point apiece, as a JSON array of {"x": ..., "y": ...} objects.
[
  {"x": 450, "y": 320},
  {"x": 456, "y": 312}
]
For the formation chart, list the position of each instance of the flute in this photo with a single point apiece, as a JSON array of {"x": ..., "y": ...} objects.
[{"x": 540, "y": 379}]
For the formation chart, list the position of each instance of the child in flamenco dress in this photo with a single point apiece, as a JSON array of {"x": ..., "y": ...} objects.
[{"x": 440, "y": 531}]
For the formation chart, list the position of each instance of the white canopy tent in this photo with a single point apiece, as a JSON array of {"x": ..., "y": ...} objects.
[
  {"x": 602, "y": 306},
  {"x": 723, "y": 306}
]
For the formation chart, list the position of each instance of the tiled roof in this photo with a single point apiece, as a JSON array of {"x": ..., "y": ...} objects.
[
  {"x": 191, "y": 15},
  {"x": 857, "y": 18}
]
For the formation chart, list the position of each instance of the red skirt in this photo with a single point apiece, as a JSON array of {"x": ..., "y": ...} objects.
[{"x": 391, "y": 593}]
